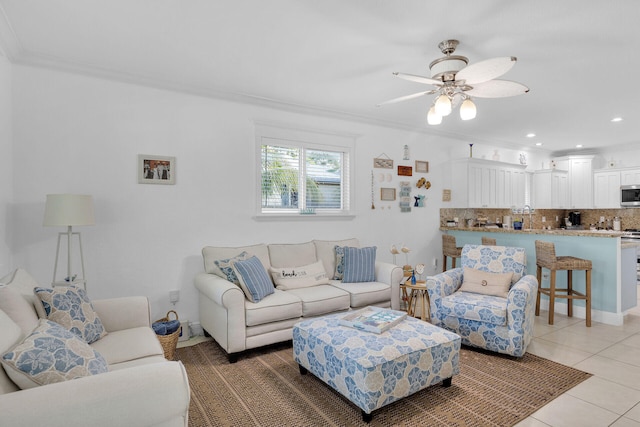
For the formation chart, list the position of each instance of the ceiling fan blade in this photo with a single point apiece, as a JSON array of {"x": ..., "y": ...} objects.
[
  {"x": 497, "y": 89},
  {"x": 486, "y": 70},
  {"x": 407, "y": 97},
  {"x": 419, "y": 79}
]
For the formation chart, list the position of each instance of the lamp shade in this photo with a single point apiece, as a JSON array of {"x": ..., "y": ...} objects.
[{"x": 63, "y": 210}]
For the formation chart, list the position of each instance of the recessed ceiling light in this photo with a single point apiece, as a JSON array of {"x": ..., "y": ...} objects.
[
  {"x": 538, "y": 144},
  {"x": 616, "y": 119},
  {"x": 531, "y": 135},
  {"x": 579, "y": 146}
]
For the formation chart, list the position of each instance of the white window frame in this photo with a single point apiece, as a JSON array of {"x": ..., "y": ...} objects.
[{"x": 307, "y": 139}]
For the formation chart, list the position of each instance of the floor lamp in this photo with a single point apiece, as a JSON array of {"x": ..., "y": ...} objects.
[{"x": 67, "y": 210}]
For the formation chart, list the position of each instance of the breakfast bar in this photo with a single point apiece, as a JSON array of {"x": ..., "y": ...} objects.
[{"x": 614, "y": 286}]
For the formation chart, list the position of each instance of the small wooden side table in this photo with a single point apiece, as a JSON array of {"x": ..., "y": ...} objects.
[{"x": 414, "y": 294}]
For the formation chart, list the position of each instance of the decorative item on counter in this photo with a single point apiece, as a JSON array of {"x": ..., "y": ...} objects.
[
  {"x": 616, "y": 223},
  {"x": 405, "y": 196},
  {"x": 470, "y": 150},
  {"x": 406, "y": 155}
]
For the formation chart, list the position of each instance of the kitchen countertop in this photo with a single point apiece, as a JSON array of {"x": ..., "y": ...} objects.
[{"x": 554, "y": 232}]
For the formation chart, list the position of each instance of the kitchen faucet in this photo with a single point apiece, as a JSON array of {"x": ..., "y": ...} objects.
[{"x": 528, "y": 209}]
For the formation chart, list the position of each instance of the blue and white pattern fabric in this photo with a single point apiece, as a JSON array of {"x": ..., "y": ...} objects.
[
  {"x": 254, "y": 279},
  {"x": 51, "y": 354},
  {"x": 373, "y": 370},
  {"x": 504, "y": 325},
  {"x": 359, "y": 265},
  {"x": 226, "y": 266},
  {"x": 339, "y": 273},
  {"x": 70, "y": 307}
]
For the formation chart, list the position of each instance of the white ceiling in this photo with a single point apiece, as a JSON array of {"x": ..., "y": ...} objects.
[{"x": 335, "y": 57}]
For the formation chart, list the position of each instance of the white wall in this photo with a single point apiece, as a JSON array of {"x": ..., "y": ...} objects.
[
  {"x": 78, "y": 134},
  {"x": 6, "y": 183}
]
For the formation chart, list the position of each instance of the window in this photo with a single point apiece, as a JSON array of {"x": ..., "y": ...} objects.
[{"x": 303, "y": 172}]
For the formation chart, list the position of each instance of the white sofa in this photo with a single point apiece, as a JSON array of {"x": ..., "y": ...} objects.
[
  {"x": 141, "y": 388},
  {"x": 238, "y": 324}
]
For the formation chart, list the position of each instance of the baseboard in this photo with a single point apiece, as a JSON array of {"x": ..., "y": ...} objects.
[{"x": 580, "y": 312}]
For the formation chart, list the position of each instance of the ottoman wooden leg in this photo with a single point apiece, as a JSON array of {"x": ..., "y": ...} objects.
[
  {"x": 446, "y": 382},
  {"x": 366, "y": 417},
  {"x": 303, "y": 370}
]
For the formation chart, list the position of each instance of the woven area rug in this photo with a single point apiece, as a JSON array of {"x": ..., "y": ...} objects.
[{"x": 265, "y": 388}]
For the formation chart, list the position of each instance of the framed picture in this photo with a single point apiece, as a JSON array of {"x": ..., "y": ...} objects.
[
  {"x": 382, "y": 162},
  {"x": 156, "y": 169},
  {"x": 405, "y": 171},
  {"x": 422, "y": 167},
  {"x": 387, "y": 194}
]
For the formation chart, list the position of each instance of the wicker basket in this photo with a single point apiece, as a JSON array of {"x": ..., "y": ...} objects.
[{"x": 169, "y": 342}]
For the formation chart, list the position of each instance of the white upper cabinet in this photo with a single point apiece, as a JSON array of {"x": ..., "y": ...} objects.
[
  {"x": 478, "y": 183},
  {"x": 606, "y": 189},
  {"x": 551, "y": 189},
  {"x": 580, "y": 180},
  {"x": 630, "y": 177}
]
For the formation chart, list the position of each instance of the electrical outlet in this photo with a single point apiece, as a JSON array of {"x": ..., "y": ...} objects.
[
  {"x": 544, "y": 219},
  {"x": 174, "y": 296}
]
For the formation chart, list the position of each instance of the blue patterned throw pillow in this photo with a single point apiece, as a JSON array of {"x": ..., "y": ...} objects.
[
  {"x": 254, "y": 279},
  {"x": 226, "y": 266},
  {"x": 339, "y": 263},
  {"x": 359, "y": 265},
  {"x": 51, "y": 354},
  {"x": 70, "y": 307}
]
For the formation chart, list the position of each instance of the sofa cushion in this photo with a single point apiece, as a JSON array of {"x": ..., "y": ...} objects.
[
  {"x": 287, "y": 278},
  {"x": 129, "y": 344},
  {"x": 471, "y": 306},
  {"x": 10, "y": 335},
  {"x": 212, "y": 253},
  {"x": 254, "y": 279},
  {"x": 483, "y": 282},
  {"x": 365, "y": 293},
  {"x": 18, "y": 309},
  {"x": 51, "y": 354},
  {"x": 22, "y": 281},
  {"x": 278, "y": 306},
  {"x": 359, "y": 264},
  {"x": 70, "y": 307},
  {"x": 292, "y": 255},
  {"x": 325, "y": 252},
  {"x": 322, "y": 299},
  {"x": 226, "y": 266}
]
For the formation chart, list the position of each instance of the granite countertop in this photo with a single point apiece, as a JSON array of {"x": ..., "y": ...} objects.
[{"x": 555, "y": 232}]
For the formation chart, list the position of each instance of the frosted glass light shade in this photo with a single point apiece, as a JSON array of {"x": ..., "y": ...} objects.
[
  {"x": 467, "y": 110},
  {"x": 443, "y": 105},
  {"x": 433, "y": 118},
  {"x": 62, "y": 210}
]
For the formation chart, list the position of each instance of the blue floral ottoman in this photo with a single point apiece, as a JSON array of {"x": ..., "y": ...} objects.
[{"x": 373, "y": 370}]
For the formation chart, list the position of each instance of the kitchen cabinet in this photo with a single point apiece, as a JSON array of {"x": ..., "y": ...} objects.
[
  {"x": 550, "y": 189},
  {"x": 580, "y": 180},
  {"x": 479, "y": 183},
  {"x": 606, "y": 189},
  {"x": 630, "y": 177}
]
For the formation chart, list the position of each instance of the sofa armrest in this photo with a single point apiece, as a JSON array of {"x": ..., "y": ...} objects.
[
  {"x": 145, "y": 395},
  {"x": 118, "y": 314},
  {"x": 392, "y": 275},
  {"x": 217, "y": 289},
  {"x": 441, "y": 285}
]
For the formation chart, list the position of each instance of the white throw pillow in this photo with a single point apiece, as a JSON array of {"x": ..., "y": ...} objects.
[
  {"x": 483, "y": 282},
  {"x": 18, "y": 309},
  {"x": 287, "y": 278}
]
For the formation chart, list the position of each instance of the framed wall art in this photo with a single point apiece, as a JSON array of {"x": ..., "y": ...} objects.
[
  {"x": 405, "y": 171},
  {"x": 387, "y": 194},
  {"x": 422, "y": 167},
  {"x": 383, "y": 162},
  {"x": 156, "y": 169}
]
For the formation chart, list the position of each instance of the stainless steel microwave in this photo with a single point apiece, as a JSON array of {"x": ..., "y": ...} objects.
[{"x": 630, "y": 196}]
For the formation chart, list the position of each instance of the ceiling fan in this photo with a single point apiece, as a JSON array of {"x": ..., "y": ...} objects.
[{"x": 456, "y": 83}]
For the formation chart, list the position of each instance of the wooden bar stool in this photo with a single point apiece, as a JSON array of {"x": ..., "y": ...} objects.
[
  {"x": 449, "y": 249},
  {"x": 488, "y": 241},
  {"x": 546, "y": 258}
]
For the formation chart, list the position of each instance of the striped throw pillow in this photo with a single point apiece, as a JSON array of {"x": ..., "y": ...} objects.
[
  {"x": 359, "y": 265},
  {"x": 254, "y": 279}
]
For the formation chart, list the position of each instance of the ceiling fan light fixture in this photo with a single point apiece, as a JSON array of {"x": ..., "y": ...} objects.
[
  {"x": 443, "y": 105},
  {"x": 433, "y": 118},
  {"x": 467, "y": 110}
]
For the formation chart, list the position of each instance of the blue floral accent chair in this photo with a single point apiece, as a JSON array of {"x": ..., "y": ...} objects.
[{"x": 504, "y": 325}]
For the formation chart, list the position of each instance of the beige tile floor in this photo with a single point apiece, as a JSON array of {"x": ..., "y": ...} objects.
[{"x": 611, "y": 353}]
